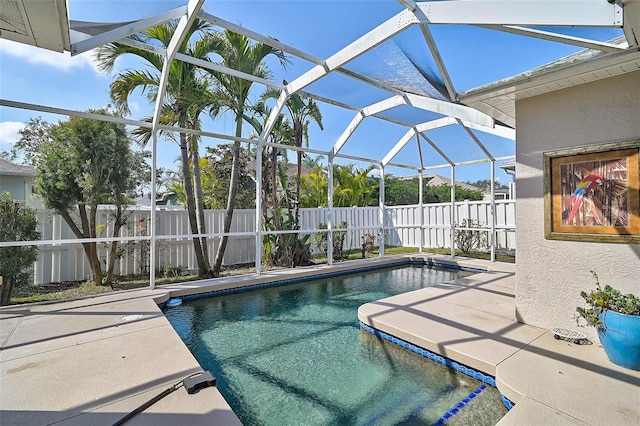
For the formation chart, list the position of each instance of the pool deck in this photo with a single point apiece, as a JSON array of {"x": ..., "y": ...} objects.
[
  {"x": 472, "y": 321},
  {"x": 93, "y": 360}
]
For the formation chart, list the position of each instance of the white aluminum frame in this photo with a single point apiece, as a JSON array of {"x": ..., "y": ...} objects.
[{"x": 511, "y": 16}]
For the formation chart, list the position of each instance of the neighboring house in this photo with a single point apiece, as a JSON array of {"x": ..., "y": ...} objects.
[
  {"x": 292, "y": 169},
  {"x": 437, "y": 180},
  {"x": 17, "y": 180}
]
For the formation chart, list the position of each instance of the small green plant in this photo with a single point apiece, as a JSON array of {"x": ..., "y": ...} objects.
[{"x": 607, "y": 298}]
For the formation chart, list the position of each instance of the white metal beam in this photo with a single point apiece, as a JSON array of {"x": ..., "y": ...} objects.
[
  {"x": 203, "y": 64},
  {"x": 193, "y": 7},
  {"x": 560, "y": 38},
  {"x": 383, "y": 105},
  {"x": 398, "y": 147},
  {"x": 72, "y": 113},
  {"x": 592, "y": 13},
  {"x": 437, "y": 149},
  {"x": 230, "y": 71},
  {"x": 346, "y": 134},
  {"x": 449, "y": 109},
  {"x": 419, "y": 146},
  {"x": 497, "y": 130},
  {"x": 433, "y": 47},
  {"x": 435, "y": 124},
  {"x": 86, "y": 42},
  {"x": 477, "y": 141},
  {"x": 373, "y": 38},
  {"x": 269, "y": 41}
]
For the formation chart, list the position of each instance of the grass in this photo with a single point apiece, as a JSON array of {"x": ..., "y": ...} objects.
[{"x": 73, "y": 290}]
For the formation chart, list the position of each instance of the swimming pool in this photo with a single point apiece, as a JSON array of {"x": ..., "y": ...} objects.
[{"x": 295, "y": 355}]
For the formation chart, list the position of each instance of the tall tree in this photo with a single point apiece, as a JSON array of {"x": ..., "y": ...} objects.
[
  {"x": 18, "y": 222},
  {"x": 237, "y": 52},
  {"x": 187, "y": 97},
  {"x": 275, "y": 193},
  {"x": 302, "y": 109},
  {"x": 352, "y": 186},
  {"x": 216, "y": 168},
  {"x": 83, "y": 163},
  {"x": 314, "y": 187}
]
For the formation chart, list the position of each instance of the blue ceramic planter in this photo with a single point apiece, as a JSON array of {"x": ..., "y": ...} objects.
[{"x": 620, "y": 338}]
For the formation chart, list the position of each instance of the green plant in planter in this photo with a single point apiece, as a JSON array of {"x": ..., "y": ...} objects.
[
  {"x": 606, "y": 298},
  {"x": 616, "y": 317}
]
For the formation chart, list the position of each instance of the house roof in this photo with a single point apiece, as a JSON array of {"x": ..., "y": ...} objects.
[
  {"x": 437, "y": 180},
  {"x": 498, "y": 99},
  {"x": 291, "y": 169},
  {"x": 7, "y": 168},
  {"x": 42, "y": 23}
]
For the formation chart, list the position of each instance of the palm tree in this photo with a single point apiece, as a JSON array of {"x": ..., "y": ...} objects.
[
  {"x": 352, "y": 186},
  {"x": 314, "y": 185},
  {"x": 237, "y": 52},
  {"x": 273, "y": 178},
  {"x": 300, "y": 108},
  {"x": 187, "y": 97}
]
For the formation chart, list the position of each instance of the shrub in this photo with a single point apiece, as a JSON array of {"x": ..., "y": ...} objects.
[
  {"x": 18, "y": 222},
  {"x": 338, "y": 240},
  {"x": 469, "y": 240}
]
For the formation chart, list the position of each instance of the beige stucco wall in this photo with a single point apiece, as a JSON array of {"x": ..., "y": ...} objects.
[{"x": 549, "y": 273}]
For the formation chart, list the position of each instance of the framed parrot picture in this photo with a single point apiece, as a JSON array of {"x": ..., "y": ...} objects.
[{"x": 592, "y": 193}]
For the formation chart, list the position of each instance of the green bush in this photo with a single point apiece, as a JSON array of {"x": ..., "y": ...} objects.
[
  {"x": 18, "y": 222},
  {"x": 338, "y": 240},
  {"x": 468, "y": 240}
]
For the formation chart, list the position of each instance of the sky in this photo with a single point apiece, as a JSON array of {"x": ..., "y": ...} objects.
[{"x": 473, "y": 56}]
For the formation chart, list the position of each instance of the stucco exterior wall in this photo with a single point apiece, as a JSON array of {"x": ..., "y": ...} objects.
[{"x": 550, "y": 273}]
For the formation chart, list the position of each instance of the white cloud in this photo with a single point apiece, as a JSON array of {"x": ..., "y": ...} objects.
[
  {"x": 134, "y": 107},
  {"x": 9, "y": 132},
  {"x": 37, "y": 56}
]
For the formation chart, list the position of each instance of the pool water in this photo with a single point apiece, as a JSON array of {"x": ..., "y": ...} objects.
[{"x": 295, "y": 355}]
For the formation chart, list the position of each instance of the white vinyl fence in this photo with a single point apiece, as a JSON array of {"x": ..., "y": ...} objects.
[{"x": 66, "y": 261}]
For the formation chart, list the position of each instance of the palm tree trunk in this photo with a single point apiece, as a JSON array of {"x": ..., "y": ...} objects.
[
  {"x": 199, "y": 198},
  {"x": 231, "y": 201},
  {"x": 298, "y": 141},
  {"x": 277, "y": 218},
  {"x": 191, "y": 209}
]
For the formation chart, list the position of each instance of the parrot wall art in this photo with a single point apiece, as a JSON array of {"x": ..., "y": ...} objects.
[{"x": 586, "y": 185}]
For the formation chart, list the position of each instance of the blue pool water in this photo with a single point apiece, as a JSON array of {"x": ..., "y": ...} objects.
[{"x": 295, "y": 355}]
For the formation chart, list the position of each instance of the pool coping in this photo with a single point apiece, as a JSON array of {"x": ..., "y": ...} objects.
[
  {"x": 37, "y": 340},
  {"x": 472, "y": 321}
]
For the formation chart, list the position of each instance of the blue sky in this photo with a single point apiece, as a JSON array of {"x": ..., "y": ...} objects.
[{"x": 474, "y": 56}]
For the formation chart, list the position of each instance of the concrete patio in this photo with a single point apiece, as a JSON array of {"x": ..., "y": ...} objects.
[
  {"x": 91, "y": 361},
  {"x": 472, "y": 321}
]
